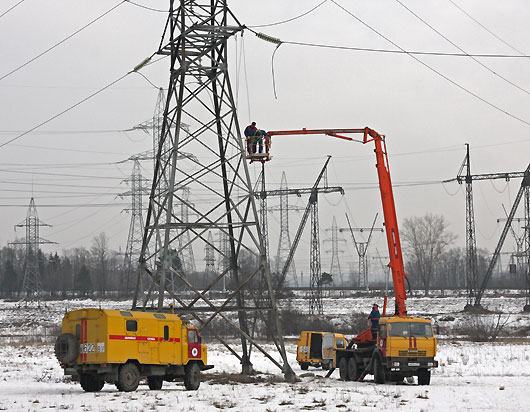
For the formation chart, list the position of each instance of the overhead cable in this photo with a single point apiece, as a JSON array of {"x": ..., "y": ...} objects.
[
  {"x": 291, "y": 19},
  {"x": 453, "y": 82},
  {"x": 275, "y": 40},
  {"x": 11, "y": 8},
  {"x": 488, "y": 30},
  {"x": 135, "y": 70},
  {"x": 462, "y": 50},
  {"x": 62, "y": 41}
]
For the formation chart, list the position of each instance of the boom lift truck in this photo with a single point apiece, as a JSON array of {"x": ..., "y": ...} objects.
[{"x": 404, "y": 346}]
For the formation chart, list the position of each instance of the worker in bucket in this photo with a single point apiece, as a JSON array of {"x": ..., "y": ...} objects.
[
  {"x": 373, "y": 319},
  {"x": 250, "y": 132}
]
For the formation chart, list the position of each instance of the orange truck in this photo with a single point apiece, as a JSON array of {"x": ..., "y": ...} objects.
[{"x": 122, "y": 347}]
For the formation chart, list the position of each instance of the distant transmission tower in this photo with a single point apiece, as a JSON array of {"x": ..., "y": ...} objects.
[
  {"x": 284, "y": 244},
  {"x": 335, "y": 270},
  {"x": 209, "y": 252},
  {"x": 31, "y": 285},
  {"x": 186, "y": 250},
  {"x": 200, "y": 93},
  {"x": 134, "y": 240}
]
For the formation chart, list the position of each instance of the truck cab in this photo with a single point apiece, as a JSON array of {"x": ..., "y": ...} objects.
[{"x": 405, "y": 347}]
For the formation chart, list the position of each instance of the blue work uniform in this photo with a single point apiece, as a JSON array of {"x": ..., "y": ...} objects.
[{"x": 374, "y": 319}]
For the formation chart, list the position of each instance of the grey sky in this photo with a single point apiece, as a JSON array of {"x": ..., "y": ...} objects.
[{"x": 426, "y": 119}]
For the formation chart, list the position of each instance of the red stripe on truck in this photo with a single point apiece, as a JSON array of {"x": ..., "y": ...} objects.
[{"x": 141, "y": 338}]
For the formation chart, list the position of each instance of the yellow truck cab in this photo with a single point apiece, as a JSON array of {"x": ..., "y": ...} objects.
[
  {"x": 319, "y": 349},
  {"x": 122, "y": 347},
  {"x": 404, "y": 347}
]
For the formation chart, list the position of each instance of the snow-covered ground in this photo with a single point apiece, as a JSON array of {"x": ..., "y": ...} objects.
[{"x": 471, "y": 376}]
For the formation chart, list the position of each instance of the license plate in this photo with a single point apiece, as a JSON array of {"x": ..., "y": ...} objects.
[{"x": 414, "y": 364}]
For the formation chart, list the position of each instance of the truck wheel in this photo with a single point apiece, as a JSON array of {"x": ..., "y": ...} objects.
[
  {"x": 379, "y": 370},
  {"x": 128, "y": 377},
  {"x": 304, "y": 366},
  {"x": 66, "y": 348},
  {"x": 424, "y": 377},
  {"x": 343, "y": 369},
  {"x": 192, "y": 376},
  {"x": 353, "y": 371},
  {"x": 90, "y": 382},
  {"x": 155, "y": 382}
]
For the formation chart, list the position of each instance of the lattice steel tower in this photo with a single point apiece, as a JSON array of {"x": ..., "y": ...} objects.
[
  {"x": 335, "y": 270},
  {"x": 139, "y": 189},
  {"x": 31, "y": 285},
  {"x": 200, "y": 93},
  {"x": 284, "y": 244}
]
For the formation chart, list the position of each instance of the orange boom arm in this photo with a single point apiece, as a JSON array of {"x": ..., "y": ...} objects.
[{"x": 387, "y": 199}]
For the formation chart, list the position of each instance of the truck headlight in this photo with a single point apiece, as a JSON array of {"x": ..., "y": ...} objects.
[
  {"x": 395, "y": 363},
  {"x": 430, "y": 364}
]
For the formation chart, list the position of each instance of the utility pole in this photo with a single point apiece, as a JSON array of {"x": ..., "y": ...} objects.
[
  {"x": 31, "y": 285},
  {"x": 335, "y": 263},
  {"x": 199, "y": 92}
]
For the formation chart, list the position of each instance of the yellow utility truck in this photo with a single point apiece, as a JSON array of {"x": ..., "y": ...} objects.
[
  {"x": 404, "y": 347},
  {"x": 318, "y": 349},
  {"x": 122, "y": 347}
]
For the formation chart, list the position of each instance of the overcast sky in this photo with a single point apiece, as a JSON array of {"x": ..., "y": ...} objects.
[{"x": 426, "y": 116}]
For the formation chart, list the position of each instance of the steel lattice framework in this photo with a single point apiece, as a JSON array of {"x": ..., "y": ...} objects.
[
  {"x": 200, "y": 93},
  {"x": 334, "y": 269},
  {"x": 31, "y": 285},
  {"x": 362, "y": 249},
  {"x": 284, "y": 244},
  {"x": 139, "y": 189}
]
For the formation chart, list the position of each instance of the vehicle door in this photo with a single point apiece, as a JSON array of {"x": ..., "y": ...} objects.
[
  {"x": 194, "y": 344},
  {"x": 382, "y": 339},
  {"x": 328, "y": 344},
  {"x": 166, "y": 339}
]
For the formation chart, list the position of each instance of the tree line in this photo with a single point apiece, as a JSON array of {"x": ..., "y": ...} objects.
[{"x": 431, "y": 262}]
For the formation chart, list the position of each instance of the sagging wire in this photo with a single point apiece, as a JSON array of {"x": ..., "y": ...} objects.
[
  {"x": 278, "y": 43},
  {"x": 8, "y": 10},
  {"x": 292, "y": 18}
]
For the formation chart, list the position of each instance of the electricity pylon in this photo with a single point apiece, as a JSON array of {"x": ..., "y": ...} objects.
[
  {"x": 209, "y": 257},
  {"x": 362, "y": 249},
  {"x": 139, "y": 189},
  {"x": 31, "y": 285},
  {"x": 475, "y": 289},
  {"x": 335, "y": 270},
  {"x": 284, "y": 244},
  {"x": 200, "y": 93}
]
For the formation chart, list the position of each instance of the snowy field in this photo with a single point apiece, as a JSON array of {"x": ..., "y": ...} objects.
[{"x": 471, "y": 376}]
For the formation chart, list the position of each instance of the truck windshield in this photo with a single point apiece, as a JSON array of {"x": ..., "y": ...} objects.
[{"x": 410, "y": 329}]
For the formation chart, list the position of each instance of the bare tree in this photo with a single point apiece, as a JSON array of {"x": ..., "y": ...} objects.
[
  {"x": 100, "y": 254},
  {"x": 425, "y": 239}
]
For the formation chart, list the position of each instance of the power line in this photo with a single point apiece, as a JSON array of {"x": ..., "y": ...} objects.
[
  {"x": 388, "y": 51},
  {"x": 8, "y": 10},
  {"x": 61, "y": 42},
  {"x": 291, "y": 19},
  {"x": 433, "y": 69},
  {"x": 488, "y": 30},
  {"x": 462, "y": 50},
  {"x": 145, "y": 7},
  {"x": 66, "y": 110}
]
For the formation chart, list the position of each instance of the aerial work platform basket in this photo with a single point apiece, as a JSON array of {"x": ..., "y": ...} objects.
[{"x": 258, "y": 147}]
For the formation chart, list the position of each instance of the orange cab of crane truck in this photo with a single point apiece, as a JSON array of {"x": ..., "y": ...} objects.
[{"x": 122, "y": 347}]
